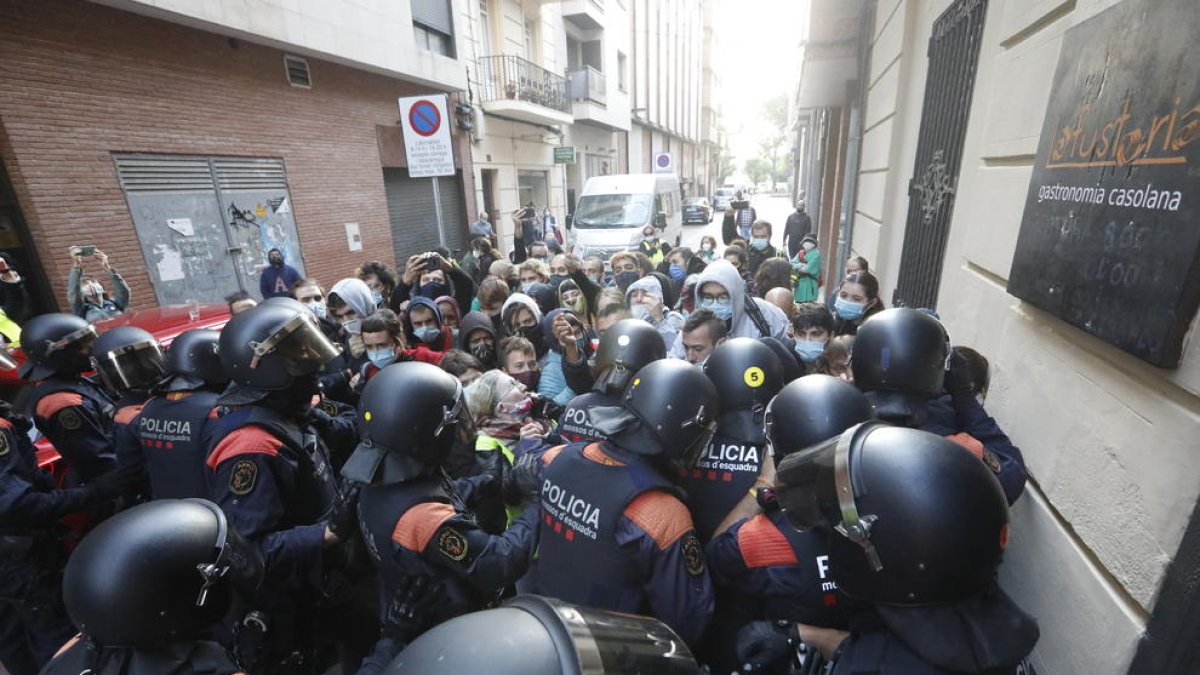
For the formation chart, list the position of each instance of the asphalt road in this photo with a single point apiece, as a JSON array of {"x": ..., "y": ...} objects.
[{"x": 771, "y": 208}]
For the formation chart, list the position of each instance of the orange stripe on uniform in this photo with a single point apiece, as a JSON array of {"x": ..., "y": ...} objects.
[
  {"x": 49, "y": 405},
  {"x": 125, "y": 415},
  {"x": 550, "y": 454},
  {"x": 969, "y": 442},
  {"x": 660, "y": 515},
  {"x": 244, "y": 441},
  {"x": 5, "y": 424},
  {"x": 596, "y": 453},
  {"x": 416, "y": 527},
  {"x": 763, "y": 545}
]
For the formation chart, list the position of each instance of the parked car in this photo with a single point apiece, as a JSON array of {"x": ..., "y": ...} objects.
[
  {"x": 697, "y": 210},
  {"x": 164, "y": 323}
]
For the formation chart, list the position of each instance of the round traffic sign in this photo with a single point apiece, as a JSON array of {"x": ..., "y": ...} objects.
[
  {"x": 424, "y": 118},
  {"x": 663, "y": 161}
]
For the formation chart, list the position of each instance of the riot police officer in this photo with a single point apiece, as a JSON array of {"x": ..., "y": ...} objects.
[
  {"x": 779, "y": 575},
  {"x": 904, "y": 363},
  {"x": 130, "y": 363},
  {"x": 413, "y": 520},
  {"x": 626, "y": 347},
  {"x": 146, "y": 585},
  {"x": 69, "y": 409},
  {"x": 915, "y": 527},
  {"x": 747, "y": 375},
  {"x": 270, "y": 473},
  {"x": 32, "y": 621},
  {"x": 615, "y": 532},
  {"x": 170, "y": 430}
]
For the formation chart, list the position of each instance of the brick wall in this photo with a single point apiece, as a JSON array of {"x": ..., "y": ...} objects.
[{"x": 82, "y": 81}]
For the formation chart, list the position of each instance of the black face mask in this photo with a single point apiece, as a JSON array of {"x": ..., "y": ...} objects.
[
  {"x": 296, "y": 400},
  {"x": 485, "y": 353},
  {"x": 276, "y": 262}
]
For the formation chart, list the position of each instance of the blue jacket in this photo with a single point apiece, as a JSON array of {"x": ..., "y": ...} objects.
[{"x": 276, "y": 282}]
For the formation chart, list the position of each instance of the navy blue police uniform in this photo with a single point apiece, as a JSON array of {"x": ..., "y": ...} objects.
[
  {"x": 76, "y": 416},
  {"x": 170, "y": 439}
]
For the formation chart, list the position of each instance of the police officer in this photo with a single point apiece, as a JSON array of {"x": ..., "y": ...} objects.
[
  {"x": 916, "y": 527},
  {"x": 130, "y": 363},
  {"x": 780, "y": 575},
  {"x": 69, "y": 409},
  {"x": 747, "y": 375},
  {"x": 556, "y": 638},
  {"x": 146, "y": 585},
  {"x": 413, "y": 520},
  {"x": 626, "y": 347},
  {"x": 170, "y": 430},
  {"x": 904, "y": 363},
  {"x": 270, "y": 473},
  {"x": 615, "y": 533},
  {"x": 33, "y": 624}
]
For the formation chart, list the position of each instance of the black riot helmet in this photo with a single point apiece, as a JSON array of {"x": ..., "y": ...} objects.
[
  {"x": 555, "y": 638},
  {"x": 159, "y": 572},
  {"x": 193, "y": 360},
  {"x": 746, "y": 373},
  {"x": 56, "y": 344},
  {"x": 626, "y": 347},
  {"x": 901, "y": 350},
  {"x": 811, "y": 410},
  {"x": 128, "y": 358},
  {"x": 266, "y": 347},
  {"x": 912, "y": 518},
  {"x": 407, "y": 417},
  {"x": 677, "y": 408}
]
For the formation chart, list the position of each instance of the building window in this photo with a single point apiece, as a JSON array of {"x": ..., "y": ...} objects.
[
  {"x": 531, "y": 41},
  {"x": 485, "y": 26},
  {"x": 622, "y": 66},
  {"x": 433, "y": 27}
]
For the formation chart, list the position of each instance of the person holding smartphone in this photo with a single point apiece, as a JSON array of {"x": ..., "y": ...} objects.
[{"x": 86, "y": 294}]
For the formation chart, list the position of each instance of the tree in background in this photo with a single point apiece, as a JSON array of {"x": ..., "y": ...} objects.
[
  {"x": 757, "y": 169},
  {"x": 775, "y": 114}
]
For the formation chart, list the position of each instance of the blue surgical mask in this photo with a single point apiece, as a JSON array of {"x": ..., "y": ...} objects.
[
  {"x": 640, "y": 312},
  {"x": 760, "y": 244},
  {"x": 428, "y": 334},
  {"x": 722, "y": 308},
  {"x": 527, "y": 286},
  {"x": 381, "y": 357},
  {"x": 677, "y": 272},
  {"x": 376, "y": 298},
  {"x": 317, "y": 308},
  {"x": 847, "y": 310},
  {"x": 809, "y": 350}
]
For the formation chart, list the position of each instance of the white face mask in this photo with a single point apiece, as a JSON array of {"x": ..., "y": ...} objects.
[
  {"x": 706, "y": 246},
  {"x": 93, "y": 290}
]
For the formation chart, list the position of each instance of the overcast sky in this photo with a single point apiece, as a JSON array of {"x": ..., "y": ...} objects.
[{"x": 757, "y": 59}]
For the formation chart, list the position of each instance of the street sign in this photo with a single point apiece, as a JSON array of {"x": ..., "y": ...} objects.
[
  {"x": 564, "y": 154},
  {"x": 426, "y": 136},
  {"x": 663, "y": 163}
]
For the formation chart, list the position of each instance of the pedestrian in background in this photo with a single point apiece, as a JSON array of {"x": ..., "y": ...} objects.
[
  {"x": 808, "y": 270},
  {"x": 276, "y": 279},
  {"x": 86, "y": 294},
  {"x": 798, "y": 225}
]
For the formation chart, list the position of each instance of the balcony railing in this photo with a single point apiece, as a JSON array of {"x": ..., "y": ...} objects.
[
  {"x": 588, "y": 84},
  {"x": 514, "y": 78}
]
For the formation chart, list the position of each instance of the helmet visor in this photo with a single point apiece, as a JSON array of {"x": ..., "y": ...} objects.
[
  {"x": 451, "y": 414},
  {"x": 301, "y": 345},
  {"x": 136, "y": 366},
  {"x": 703, "y": 426},
  {"x": 236, "y": 560},
  {"x": 86, "y": 334}
]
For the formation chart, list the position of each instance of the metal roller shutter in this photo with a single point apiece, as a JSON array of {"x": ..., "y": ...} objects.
[{"x": 413, "y": 217}]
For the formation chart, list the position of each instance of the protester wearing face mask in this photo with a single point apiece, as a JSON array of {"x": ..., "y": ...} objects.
[
  {"x": 477, "y": 337},
  {"x": 651, "y": 246},
  {"x": 645, "y": 300},
  {"x": 593, "y": 268},
  {"x": 521, "y": 316},
  {"x": 276, "y": 279},
  {"x": 571, "y": 298},
  {"x": 335, "y": 378},
  {"x": 858, "y": 299},
  {"x": 533, "y": 271},
  {"x": 721, "y": 290},
  {"x": 708, "y": 249},
  {"x": 349, "y": 302},
  {"x": 451, "y": 313},
  {"x": 86, "y": 295},
  {"x": 380, "y": 279},
  {"x": 812, "y": 328},
  {"x": 679, "y": 263},
  {"x": 625, "y": 269},
  {"x": 432, "y": 276},
  {"x": 760, "y": 246},
  {"x": 807, "y": 265},
  {"x": 383, "y": 338},
  {"x": 423, "y": 324}
]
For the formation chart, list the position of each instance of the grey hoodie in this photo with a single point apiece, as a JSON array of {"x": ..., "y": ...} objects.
[
  {"x": 356, "y": 294},
  {"x": 741, "y": 325}
]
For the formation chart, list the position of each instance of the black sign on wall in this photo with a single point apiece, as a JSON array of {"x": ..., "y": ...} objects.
[{"x": 1110, "y": 237}]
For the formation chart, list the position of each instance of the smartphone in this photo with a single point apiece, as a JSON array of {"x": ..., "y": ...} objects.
[{"x": 87, "y": 251}]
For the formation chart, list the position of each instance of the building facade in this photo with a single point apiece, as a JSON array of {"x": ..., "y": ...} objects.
[
  {"x": 961, "y": 114},
  {"x": 185, "y": 139}
]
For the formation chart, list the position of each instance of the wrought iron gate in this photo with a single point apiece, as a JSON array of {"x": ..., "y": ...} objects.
[{"x": 953, "y": 58}]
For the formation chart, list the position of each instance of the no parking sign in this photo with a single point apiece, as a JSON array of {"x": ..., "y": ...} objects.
[{"x": 426, "y": 136}]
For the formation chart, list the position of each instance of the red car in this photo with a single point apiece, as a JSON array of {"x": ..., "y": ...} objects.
[{"x": 164, "y": 323}]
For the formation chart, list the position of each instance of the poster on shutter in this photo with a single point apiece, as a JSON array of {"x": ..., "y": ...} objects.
[
  {"x": 1109, "y": 240},
  {"x": 427, "y": 142}
]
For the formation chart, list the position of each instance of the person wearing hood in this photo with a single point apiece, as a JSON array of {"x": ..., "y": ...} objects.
[
  {"x": 432, "y": 276},
  {"x": 350, "y": 302},
  {"x": 645, "y": 300},
  {"x": 722, "y": 290},
  {"x": 553, "y": 384},
  {"x": 477, "y": 337},
  {"x": 383, "y": 338},
  {"x": 807, "y": 265},
  {"x": 423, "y": 325},
  {"x": 86, "y": 295},
  {"x": 451, "y": 312},
  {"x": 545, "y": 297},
  {"x": 522, "y": 316},
  {"x": 571, "y": 297},
  {"x": 276, "y": 279}
]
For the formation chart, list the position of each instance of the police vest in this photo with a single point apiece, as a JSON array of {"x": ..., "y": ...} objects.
[
  {"x": 380, "y": 508},
  {"x": 579, "y": 559},
  {"x": 170, "y": 433},
  {"x": 573, "y": 425},
  {"x": 200, "y": 658},
  {"x": 806, "y": 593},
  {"x": 18, "y": 459},
  {"x": 82, "y": 386},
  {"x": 652, "y": 250},
  {"x": 312, "y": 498},
  {"x": 725, "y": 471}
]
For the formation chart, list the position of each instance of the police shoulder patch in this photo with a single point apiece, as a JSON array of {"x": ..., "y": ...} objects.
[
  {"x": 243, "y": 477},
  {"x": 452, "y": 544},
  {"x": 69, "y": 419},
  {"x": 693, "y": 554},
  {"x": 992, "y": 461}
]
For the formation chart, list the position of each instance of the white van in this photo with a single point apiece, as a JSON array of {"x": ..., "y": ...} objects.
[{"x": 613, "y": 210}]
